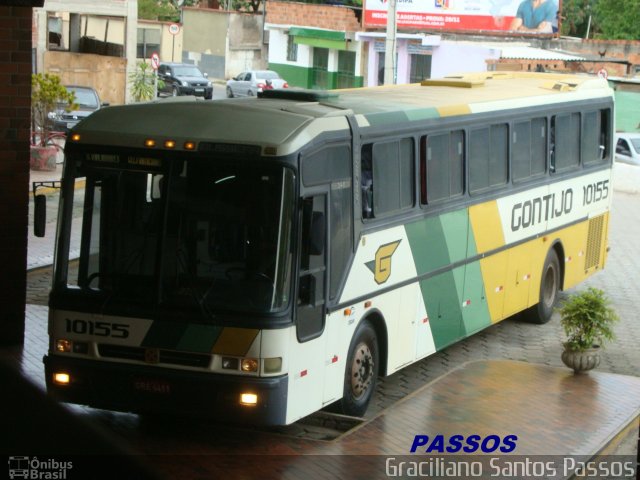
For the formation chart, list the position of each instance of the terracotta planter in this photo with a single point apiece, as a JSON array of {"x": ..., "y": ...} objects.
[
  {"x": 582, "y": 361},
  {"x": 43, "y": 158}
]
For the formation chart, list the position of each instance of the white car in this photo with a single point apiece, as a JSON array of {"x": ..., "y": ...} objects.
[
  {"x": 628, "y": 148},
  {"x": 249, "y": 83}
]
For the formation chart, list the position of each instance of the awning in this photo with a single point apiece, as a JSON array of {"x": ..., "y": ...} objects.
[{"x": 531, "y": 53}]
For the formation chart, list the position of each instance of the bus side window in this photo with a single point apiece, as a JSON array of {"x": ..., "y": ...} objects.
[
  {"x": 366, "y": 178},
  {"x": 595, "y": 136}
]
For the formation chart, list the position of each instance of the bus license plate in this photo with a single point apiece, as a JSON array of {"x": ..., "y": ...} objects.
[{"x": 152, "y": 386}]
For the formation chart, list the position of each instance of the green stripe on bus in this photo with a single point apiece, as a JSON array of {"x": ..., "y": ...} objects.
[
  {"x": 428, "y": 244},
  {"x": 164, "y": 335},
  {"x": 444, "y": 306},
  {"x": 199, "y": 338},
  {"x": 455, "y": 227},
  {"x": 422, "y": 113},
  {"x": 386, "y": 118},
  {"x": 475, "y": 310}
]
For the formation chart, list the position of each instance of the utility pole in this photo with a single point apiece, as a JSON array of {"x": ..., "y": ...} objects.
[{"x": 390, "y": 45}]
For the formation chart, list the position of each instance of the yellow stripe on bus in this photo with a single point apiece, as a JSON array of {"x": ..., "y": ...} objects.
[
  {"x": 453, "y": 110},
  {"x": 487, "y": 228},
  {"x": 234, "y": 341}
]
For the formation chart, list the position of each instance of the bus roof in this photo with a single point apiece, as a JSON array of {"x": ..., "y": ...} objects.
[{"x": 285, "y": 120}]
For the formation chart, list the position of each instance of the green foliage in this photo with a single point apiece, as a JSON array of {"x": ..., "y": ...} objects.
[
  {"x": 246, "y": 5},
  {"x": 618, "y": 19},
  {"x": 575, "y": 17},
  {"x": 163, "y": 10},
  {"x": 47, "y": 94},
  {"x": 142, "y": 82},
  {"x": 587, "y": 319}
]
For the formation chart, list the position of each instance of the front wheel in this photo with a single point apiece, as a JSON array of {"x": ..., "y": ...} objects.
[
  {"x": 175, "y": 92},
  {"x": 229, "y": 92},
  {"x": 549, "y": 288},
  {"x": 361, "y": 371}
]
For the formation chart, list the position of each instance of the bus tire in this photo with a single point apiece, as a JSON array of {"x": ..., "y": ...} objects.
[
  {"x": 549, "y": 289},
  {"x": 361, "y": 371}
]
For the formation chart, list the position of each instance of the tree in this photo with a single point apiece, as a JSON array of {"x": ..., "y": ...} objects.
[
  {"x": 618, "y": 19},
  {"x": 163, "y": 10},
  {"x": 246, "y": 5},
  {"x": 575, "y": 17}
]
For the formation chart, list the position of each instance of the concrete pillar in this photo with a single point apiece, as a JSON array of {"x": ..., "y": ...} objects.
[{"x": 15, "y": 104}]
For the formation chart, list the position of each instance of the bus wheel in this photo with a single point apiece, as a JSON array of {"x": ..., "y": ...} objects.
[
  {"x": 361, "y": 371},
  {"x": 549, "y": 288}
]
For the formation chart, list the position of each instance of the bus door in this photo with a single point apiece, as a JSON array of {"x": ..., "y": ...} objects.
[
  {"x": 306, "y": 365},
  {"x": 310, "y": 309}
]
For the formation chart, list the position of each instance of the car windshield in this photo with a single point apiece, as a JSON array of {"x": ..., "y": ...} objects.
[
  {"x": 187, "y": 71},
  {"x": 202, "y": 236},
  {"x": 267, "y": 75},
  {"x": 84, "y": 97}
]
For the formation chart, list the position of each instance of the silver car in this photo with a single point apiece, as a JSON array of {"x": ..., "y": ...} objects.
[
  {"x": 249, "y": 83},
  {"x": 628, "y": 148}
]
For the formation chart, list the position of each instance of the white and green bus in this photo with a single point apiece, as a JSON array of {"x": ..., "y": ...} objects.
[{"x": 258, "y": 259}]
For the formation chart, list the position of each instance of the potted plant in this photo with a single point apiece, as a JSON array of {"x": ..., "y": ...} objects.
[
  {"x": 144, "y": 83},
  {"x": 47, "y": 93},
  {"x": 587, "y": 319}
]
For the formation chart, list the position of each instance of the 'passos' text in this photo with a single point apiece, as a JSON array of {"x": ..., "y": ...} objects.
[{"x": 464, "y": 444}]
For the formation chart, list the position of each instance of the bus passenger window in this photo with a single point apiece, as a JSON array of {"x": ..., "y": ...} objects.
[
  {"x": 595, "y": 137},
  {"x": 566, "y": 141}
]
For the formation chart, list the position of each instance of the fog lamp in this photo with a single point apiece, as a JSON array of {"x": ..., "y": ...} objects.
[
  {"x": 61, "y": 378},
  {"x": 250, "y": 399}
]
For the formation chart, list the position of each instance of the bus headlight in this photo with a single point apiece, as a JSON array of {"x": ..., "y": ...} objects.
[
  {"x": 63, "y": 346},
  {"x": 249, "y": 365},
  {"x": 230, "y": 363}
]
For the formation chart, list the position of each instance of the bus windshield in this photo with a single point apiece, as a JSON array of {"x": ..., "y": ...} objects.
[{"x": 203, "y": 235}]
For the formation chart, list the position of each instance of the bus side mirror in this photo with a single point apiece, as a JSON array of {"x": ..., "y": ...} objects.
[
  {"x": 316, "y": 237},
  {"x": 39, "y": 215}
]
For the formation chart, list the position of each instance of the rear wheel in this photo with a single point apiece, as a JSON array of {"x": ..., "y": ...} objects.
[
  {"x": 250, "y": 93},
  {"x": 361, "y": 371},
  {"x": 549, "y": 288}
]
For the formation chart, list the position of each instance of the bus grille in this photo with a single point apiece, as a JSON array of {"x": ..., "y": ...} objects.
[
  {"x": 171, "y": 357},
  {"x": 594, "y": 242}
]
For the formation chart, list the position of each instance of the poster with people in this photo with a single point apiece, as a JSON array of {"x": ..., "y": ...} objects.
[{"x": 507, "y": 16}]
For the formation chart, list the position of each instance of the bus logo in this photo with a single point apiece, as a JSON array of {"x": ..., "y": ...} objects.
[
  {"x": 381, "y": 266},
  {"x": 18, "y": 467}
]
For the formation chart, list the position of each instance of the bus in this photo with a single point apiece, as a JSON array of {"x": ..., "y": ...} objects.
[{"x": 255, "y": 260}]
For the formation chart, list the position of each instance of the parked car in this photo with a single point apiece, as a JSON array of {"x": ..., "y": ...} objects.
[
  {"x": 184, "y": 79},
  {"x": 248, "y": 84},
  {"x": 628, "y": 148},
  {"x": 87, "y": 101}
]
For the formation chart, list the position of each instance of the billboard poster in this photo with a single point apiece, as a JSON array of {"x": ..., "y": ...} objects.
[{"x": 521, "y": 16}]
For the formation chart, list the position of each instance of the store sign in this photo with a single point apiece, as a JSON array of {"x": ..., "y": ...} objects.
[{"x": 461, "y": 15}]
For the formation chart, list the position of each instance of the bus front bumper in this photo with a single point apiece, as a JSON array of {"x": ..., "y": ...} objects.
[{"x": 143, "y": 389}]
